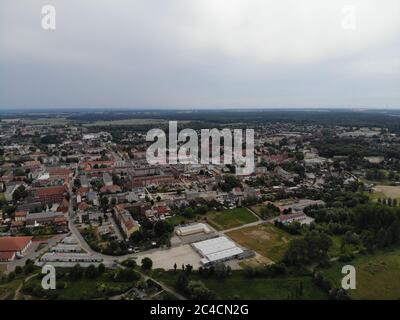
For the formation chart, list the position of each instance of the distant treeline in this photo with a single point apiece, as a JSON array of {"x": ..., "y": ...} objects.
[{"x": 337, "y": 117}]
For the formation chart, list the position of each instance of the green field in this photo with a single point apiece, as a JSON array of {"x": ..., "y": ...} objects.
[
  {"x": 47, "y": 121},
  {"x": 124, "y": 122},
  {"x": 86, "y": 288},
  {"x": 227, "y": 219},
  {"x": 238, "y": 286},
  {"x": 7, "y": 290},
  {"x": 377, "y": 275},
  {"x": 337, "y": 248},
  {"x": 268, "y": 240},
  {"x": 220, "y": 220},
  {"x": 257, "y": 209}
]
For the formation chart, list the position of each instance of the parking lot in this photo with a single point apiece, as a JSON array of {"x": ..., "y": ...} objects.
[{"x": 167, "y": 258}]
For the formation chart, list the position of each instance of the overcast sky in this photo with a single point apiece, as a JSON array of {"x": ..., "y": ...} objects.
[{"x": 200, "y": 53}]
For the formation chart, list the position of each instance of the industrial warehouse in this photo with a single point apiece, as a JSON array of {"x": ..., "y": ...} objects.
[{"x": 218, "y": 250}]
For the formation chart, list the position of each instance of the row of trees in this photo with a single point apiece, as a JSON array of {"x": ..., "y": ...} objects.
[
  {"x": 313, "y": 248},
  {"x": 195, "y": 290}
]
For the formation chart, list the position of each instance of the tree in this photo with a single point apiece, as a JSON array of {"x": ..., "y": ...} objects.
[
  {"x": 312, "y": 248},
  {"x": 188, "y": 269},
  {"x": 147, "y": 263},
  {"x": 104, "y": 203},
  {"x": 130, "y": 263},
  {"x": 11, "y": 276},
  {"x": 297, "y": 253},
  {"x": 182, "y": 281},
  {"x": 20, "y": 193},
  {"x": 76, "y": 272},
  {"x": 198, "y": 291},
  {"x": 91, "y": 272},
  {"x": 299, "y": 156},
  {"x": 188, "y": 212},
  {"x": 101, "y": 268},
  {"x": 339, "y": 294},
  {"x": 161, "y": 228},
  {"x": 221, "y": 271},
  {"x": 381, "y": 238},
  {"x": 229, "y": 183},
  {"x": 126, "y": 275},
  {"x": 28, "y": 268},
  {"x": 18, "y": 270}
]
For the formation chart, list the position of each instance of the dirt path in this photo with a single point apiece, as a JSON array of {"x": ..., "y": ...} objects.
[
  {"x": 251, "y": 224},
  {"x": 17, "y": 292}
]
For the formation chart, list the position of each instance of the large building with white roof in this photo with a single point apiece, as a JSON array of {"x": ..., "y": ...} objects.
[{"x": 217, "y": 250}]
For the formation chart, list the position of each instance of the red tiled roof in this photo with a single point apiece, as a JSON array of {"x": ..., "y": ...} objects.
[
  {"x": 13, "y": 243},
  {"x": 41, "y": 192},
  {"x": 99, "y": 162},
  {"x": 82, "y": 190},
  {"x": 60, "y": 220},
  {"x": 59, "y": 171},
  {"x": 20, "y": 214},
  {"x": 63, "y": 206},
  {"x": 83, "y": 206},
  {"x": 113, "y": 188},
  {"x": 291, "y": 216},
  {"x": 6, "y": 255},
  {"x": 162, "y": 209},
  {"x": 32, "y": 163}
]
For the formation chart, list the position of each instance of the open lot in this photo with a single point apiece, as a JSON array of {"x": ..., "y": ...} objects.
[
  {"x": 227, "y": 219},
  {"x": 377, "y": 275},
  {"x": 266, "y": 239},
  {"x": 257, "y": 261},
  {"x": 166, "y": 259},
  {"x": 388, "y": 191}
]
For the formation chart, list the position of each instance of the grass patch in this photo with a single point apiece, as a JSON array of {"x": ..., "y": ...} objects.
[
  {"x": 84, "y": 288},
  {"x": 257, "y": 209},
  {"x": 177, "y": 220},
  {"x": 338, "y": 248},
  {"x": 227, "y": 219},
  {"x": 268, "y": 240},
  {"x": 7, "y": 290},
  {"x": 220, "y": 220},
  {"x": 238, "y": 286},
  {"x": 377, "y": 275}
]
